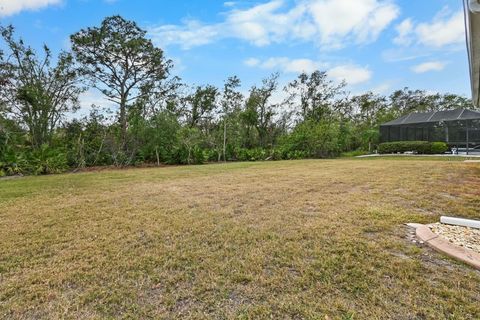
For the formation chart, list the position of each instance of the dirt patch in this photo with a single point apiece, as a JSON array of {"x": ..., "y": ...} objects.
[{"x": 11, "y": 177}]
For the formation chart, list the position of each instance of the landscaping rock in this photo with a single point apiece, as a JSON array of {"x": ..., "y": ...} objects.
[{"x": 461, "y": 236}]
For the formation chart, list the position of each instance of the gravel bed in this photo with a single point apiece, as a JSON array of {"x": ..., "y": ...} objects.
[{"x": 461, "y": 236}]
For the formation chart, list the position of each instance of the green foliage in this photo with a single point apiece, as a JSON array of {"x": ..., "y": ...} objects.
[
  {"x": 407, "y": 100},
  {"x": 44, "y": 160},
  {"x": 438, "y": 147},
  {"x": 313, "y": 139},
  {"x": 259, "y": 111},
  {"x": 47, "y": 160},
  {"x": 158, "y": 119},
  {"x": 316, "y": 94},
  {"x": 156, "y": 138},
  {"x": 202, "y": 102},
  {"x": 101, "y": 51},
  {"x": 420, "y": 147},
  {"x": 9, "y": 166},
  {"x": 256, "y": 154},
  {"x": 35, "y": 93},
  {"x": 189, "y": 150}
]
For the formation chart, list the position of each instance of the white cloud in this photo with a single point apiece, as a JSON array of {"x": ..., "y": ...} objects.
[
  {"x": 252, "y": 62},
  {"x": 404, "y": 30},
  {"x": 291, "y": 65},
  {"x": 88, "y": 99},
  {"x": 178, "y": 65},
  {"x": 397, "y": 54},
  {"x": 191, "y": 34},
  {"x": 328, "y": 23},
  {"x": 11, "y": 7},
  {"x": 93, "y": 97},
  {"x": 285, "y": 64},
  {"x": 301, "y": 65},
  {"x": 352, "y": 74},
  {"x": 359, "y": 20},
  {"x": 264, "y": 23},
  {"x": 382, "y": 89},
  {"x": 429, "y": 66},
  {"x": 446, "y": 29}
]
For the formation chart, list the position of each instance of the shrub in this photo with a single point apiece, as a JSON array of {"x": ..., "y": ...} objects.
[
  {"x": 9, "y": 165},
  {"x": 296, "y": 155},
  {"x": 47, "y": 161},
  {"x": 438, "y": 147},
  {"x": 277, "y": 154},
  {"x": 312, "y": 140},
  {"x": 257, "y": 154},
  {"x": 420, "y": 147},
  {"x": 184, "y": 155},
  {"x": 44, "y": 160}
]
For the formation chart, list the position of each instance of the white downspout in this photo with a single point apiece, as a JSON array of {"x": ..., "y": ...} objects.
[
  {"x": 460, "y": 222},
  {"x": 472, "y": 12}
]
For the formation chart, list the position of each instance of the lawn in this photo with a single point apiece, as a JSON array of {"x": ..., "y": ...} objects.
[{"x": 317, "y": 239}]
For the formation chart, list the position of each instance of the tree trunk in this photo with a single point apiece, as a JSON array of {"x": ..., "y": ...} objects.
[
  {"x": 225, "y": 140},
  {"x": 123, "y": 123}
]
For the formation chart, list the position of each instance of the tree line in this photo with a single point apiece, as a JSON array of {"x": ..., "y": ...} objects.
[{"x": 158, "y": 119}]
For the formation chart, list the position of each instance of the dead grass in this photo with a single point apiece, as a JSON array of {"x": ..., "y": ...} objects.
[{"x": 281, "y": 240}]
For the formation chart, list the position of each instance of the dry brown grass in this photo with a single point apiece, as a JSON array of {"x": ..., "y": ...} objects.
[{"x": 282, "y": 240}]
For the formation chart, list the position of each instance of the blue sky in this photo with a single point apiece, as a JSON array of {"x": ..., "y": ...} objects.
[{"x": 378, "y": 45}]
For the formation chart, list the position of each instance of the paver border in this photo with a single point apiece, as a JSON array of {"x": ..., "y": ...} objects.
[{"x": 441, "y": 244}]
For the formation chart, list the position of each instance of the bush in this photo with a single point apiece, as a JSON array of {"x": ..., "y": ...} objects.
[
  {"x": 47, "y": 161},
  {"x": 312, "y": 140},
  {"x": 439, "y": 147},
  {"x": 183, "y": 155},
  {"x": 258, "y": 154},
  {"x": 420, "y": 147}
]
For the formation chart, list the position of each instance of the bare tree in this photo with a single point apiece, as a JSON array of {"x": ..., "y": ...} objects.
[
  {"x": 259, "y": 109},
  {"x": 315, "y": 94}
]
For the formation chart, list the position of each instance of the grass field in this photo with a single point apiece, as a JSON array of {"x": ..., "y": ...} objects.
[{"x": 280, "y": 240}]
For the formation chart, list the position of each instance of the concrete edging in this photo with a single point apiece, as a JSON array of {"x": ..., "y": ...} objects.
[{"x": 441, "y": 244}]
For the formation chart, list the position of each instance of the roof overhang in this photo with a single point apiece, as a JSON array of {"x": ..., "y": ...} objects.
[
  {"x": 472, "y": 25},
  {"x": 435, "y": 117}
]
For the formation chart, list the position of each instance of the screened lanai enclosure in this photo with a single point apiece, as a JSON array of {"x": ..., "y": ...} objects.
[{"x": 459, "y": 128}]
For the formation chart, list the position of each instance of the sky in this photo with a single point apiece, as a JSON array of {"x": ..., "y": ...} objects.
[{"x": 375, "y": 45}]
